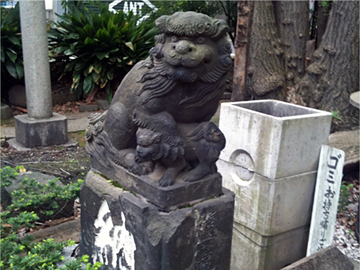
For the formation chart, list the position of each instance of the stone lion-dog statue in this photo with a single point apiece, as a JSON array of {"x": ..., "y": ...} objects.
[{"x": 161, "y": 110}]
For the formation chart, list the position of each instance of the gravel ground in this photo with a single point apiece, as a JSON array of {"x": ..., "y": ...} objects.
[{"x": 345, "y": 241}]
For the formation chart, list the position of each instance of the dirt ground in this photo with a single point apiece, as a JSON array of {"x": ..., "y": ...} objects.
[{"x": 69, "y": 164}]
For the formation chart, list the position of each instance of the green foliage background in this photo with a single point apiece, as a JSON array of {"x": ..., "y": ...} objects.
[
  {"x": 96, "y": 46},
  {"x": 11, "y": 49}
]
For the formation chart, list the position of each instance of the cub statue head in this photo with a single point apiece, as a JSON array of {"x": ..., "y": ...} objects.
[{"x": 152, "y": 146}]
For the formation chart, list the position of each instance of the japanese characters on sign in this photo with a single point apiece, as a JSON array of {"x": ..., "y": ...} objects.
[{"x": 326, "y": 199}]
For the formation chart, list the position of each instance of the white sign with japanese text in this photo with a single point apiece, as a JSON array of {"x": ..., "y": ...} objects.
[{"x": 326, "y": 199}]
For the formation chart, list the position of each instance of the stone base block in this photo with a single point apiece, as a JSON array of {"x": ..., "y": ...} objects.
[
  {"x": 124, "y": 231},
  {"x": 166, "y": 198},
  {"x": 270, "y": 206},
  {"x": 41, "y": 132},
  {"x": 253, "y": 251}
]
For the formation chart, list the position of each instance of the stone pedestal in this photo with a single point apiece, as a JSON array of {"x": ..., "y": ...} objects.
[
  {"x": 32, "y": 132},
  {"x": 270, "y": 162},
  {"x": 165, "y": 198},
  {"x": 124, "y": 231}
]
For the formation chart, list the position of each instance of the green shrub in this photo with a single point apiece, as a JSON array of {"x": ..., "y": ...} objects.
[
  {"x": 96, "y": 46},
  {"x": 45, "y": 200},
  {"x": 7, "y": 174},
  {"x": 19, "y": 253},
  {"x": 11, "y": 49},
  {"x": 345, "y": 196}
]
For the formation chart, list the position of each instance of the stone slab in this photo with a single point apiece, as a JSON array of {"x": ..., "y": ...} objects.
[
  {"x": 329, "y": 258},
  {"x": 270, "y": 206},
  {"x": 349, "y": 142},
  {"x": 253, "y": 251},
  {"x": 7, "y": 132},
  {"x": 327, "y": 192},
  {"x": 66, "y": 208},
  {"x": 88, "y": 108},
  {"x": 266, "y": 136},
  {"x": 15, "y": 183},
  {"x": 166, "y": 198},
  {"x": 126, "y": 232},
  {"x": 103, "y": 104},
  {"x": 17, "y": 95},
  {"x": 68, "y": 253},
  {"x": 70, "y": 143},
  {"x": 60, "y": 233},
  {"x": 60, "y": 99},
  {"x": 32, "y": 132},
  {"x": 5, "y": 111},
  {"x": 78, "y": 121}
]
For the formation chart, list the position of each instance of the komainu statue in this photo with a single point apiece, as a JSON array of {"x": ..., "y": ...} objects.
[{"x": 159, "y": 116}]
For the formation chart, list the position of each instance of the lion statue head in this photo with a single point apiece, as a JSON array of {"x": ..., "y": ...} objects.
[{"x": 191, "y": 47}]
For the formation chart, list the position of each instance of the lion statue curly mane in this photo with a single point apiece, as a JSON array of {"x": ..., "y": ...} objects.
[{"x": 179, "y": 84}]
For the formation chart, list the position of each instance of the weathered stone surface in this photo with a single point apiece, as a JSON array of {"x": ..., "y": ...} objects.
[
  {"x": 69, "y": 253},
  {"x": 251, "y": 250},
  {"x": 103, "y": 104},
  {"x": 60, "y": 233},
  {"x": 5, "y": 111},
  {"x": 17, "y": 96},
  {"x": 329, "y": 258},
  {"x": 270, "y": 206},
  {"x": 127, "y": 232},
  {"x": 60, "y": 99},
  {"x": 18, "y": 146},
  {"x": 77, "y": 121},
  {"x": 88, "y": 108},
  {"x": 32, "y": 132},
  {"x": 327, "y": 194},
  {"x": 165, "y": 198},
  {"x": 349, "y": 142},
  {"x": 264, "y": 136}
]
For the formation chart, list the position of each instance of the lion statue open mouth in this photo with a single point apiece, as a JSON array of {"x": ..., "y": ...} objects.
[{"x": 178, "y": 86}]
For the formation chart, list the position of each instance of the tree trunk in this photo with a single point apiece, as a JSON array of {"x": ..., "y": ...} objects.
[
  {"x": 292, "y": 20},
  {"x": 334, "y": 73},
  {"x": 240, "y": 45},
  {"x": 322, "y": 19},
  {"x": 265, "y": 76}
]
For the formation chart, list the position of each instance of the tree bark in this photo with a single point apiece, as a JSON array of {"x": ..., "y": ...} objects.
[
  {"x": 265, "y": 76},
  {"x": 334, "y": 73},
  {"x": 292, "y": 19},
  {"x": 322, "y": 19},
  {"x": 240, "y": 45}
]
